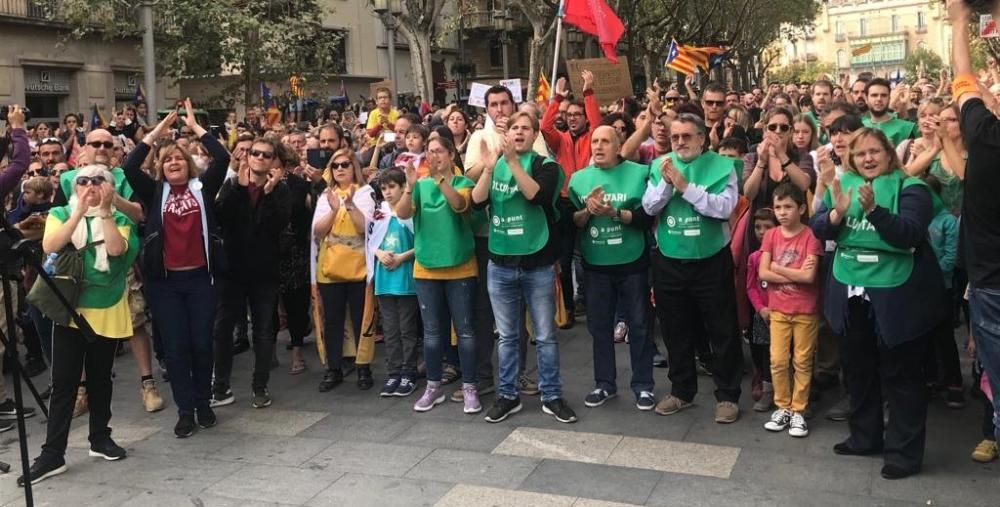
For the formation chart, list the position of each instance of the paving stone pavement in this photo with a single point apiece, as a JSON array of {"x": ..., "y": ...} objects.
[{"x": 351, "y": 448}]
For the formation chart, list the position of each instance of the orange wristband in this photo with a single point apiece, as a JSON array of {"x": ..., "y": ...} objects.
[{"x": 964, "y": 83}]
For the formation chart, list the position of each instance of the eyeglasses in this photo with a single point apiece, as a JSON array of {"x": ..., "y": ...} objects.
[
  {"x": 574, "y": 115},
  {"x": 107, "y": 145},
  {"x": 672, "y": 99},
  {"x": 714, "y": 103},
  {"x": 681, "y": 137},
  {"x": 266, "y": 155},
  {"x": 341, "y": 165},
  {"x": 783, "y": 127},
  {"x": 84, "y": 181}
]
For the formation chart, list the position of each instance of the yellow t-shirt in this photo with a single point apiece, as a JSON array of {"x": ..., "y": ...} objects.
[
  {"x": 114, "y": 321},
  {"x": 347, "y": 248},
  {"x": 375, "y": 117}
]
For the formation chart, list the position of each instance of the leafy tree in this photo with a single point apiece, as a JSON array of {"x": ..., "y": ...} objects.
[
  {"x": 922, "y": 60},
  {"x": 803, "y": 72},
  {"x": 261, "y": 40},
  {"x": 418, "y": 24}
]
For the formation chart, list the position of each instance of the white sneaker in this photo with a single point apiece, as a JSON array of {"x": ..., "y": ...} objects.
[
  {"x": 797, "y": 427},
  {"x": 779, "y": 420}
]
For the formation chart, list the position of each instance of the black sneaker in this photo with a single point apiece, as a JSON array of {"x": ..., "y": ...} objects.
[
  {"x": 560, "y": 410},
  {"x": 406, "y": 387},
  {"x": 331, "y": 379},
  {"x": 221, "y": 399},
  {"x": 206, "y": 417},
  {"x": 365, "y": 381},
  {"x": 502, "y": 408},
  {"x": 645, "y": 401},
  {"x": 6, "y": 426},
  {"x": 43, "y": 469},
  {"x": 389, "y": 387},
  {"x": 9, "y": 411},
  {"x": 261, "y": 398},
  {"x": 107, "y": 449},
  {"x": 597, "y": 397},
  {"x": 185, "y": 426},
  {"x": 163, "y": 370}
]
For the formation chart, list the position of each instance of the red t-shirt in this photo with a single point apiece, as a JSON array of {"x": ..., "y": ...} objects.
[
  {"x": 182, "y": 242},
  {"x": 792, "y": 298}
]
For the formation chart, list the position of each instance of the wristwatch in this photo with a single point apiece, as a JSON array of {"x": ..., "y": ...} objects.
[{"x": 440, "y": 180}]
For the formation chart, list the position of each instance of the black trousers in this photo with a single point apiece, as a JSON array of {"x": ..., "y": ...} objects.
[
  {"x": 71, "y": 355},
  {"x": 941, "y": 361},
  {"x": 336, "y": 298},
  {"x": 692, "y": 298},
  {"x": 295, "y": 301},
  {"x": 233, "y": 297},
  {"x": 876, "y": 373},
  {"x": 567, "y": 244}
]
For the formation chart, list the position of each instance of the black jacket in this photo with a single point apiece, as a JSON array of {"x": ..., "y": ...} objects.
[
  {"x": 903, "y": 313},
  {"x": 252, "y": 232},
  {"x": 149, "y": 193}
]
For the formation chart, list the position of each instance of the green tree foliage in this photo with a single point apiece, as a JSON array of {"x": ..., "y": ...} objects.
[
  {"x": 257, "y": 39},
  {"x": 803, "y": 72},
  {"x": 923, "y": 62}
]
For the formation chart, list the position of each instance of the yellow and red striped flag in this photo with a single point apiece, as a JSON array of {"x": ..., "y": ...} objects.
[
  {"x": 544, "y": 90},
  {"x": 678, "y": 59}
]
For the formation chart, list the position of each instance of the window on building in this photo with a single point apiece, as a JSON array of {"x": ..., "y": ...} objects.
[
  {"x": 862, "y": 27},
  {"x": 921, "y": 20},
  {"x": 840, "y": 28},
  {"x": 894, "y": 22},
  {"x": 496, "y": 53},
  {"x": 841, "y": 58}
]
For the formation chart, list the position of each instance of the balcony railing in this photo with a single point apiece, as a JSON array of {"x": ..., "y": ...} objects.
[
  {"x": 32, "y": 9},
  {"x": 483, "y": 20}
]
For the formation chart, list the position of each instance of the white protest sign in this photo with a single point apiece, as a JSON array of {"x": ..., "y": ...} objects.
[
  {"x": 987, "y": 27},
  {"x": 514, "y": 85},
  {"x": 477, "y": 94}
]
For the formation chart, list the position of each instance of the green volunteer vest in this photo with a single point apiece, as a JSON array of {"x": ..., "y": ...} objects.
[
  {"x": 682, "y": 232},
  {"x": 823, "y": 138},
  {"x": 441, "y": 237},
  {"x": 517, "y": 227},
  {"x": 100, "y": 289},
  {"x": 863, "y": 258},
  {"x": 67, "y": 181},
  {"x": 896, "y": 130},
  {"x": 606, "y": 241}
]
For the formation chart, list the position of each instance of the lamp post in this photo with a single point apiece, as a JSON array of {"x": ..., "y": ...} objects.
[
  {"x": 393, "y": 9},
  {"x": 149, "y": 65},
  {"x": 503, "y": 22}
]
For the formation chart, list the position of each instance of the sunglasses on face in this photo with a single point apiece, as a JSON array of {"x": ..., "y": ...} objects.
[
  {"x": 672, "y": 99},
  {"x": 783, "y": 127},
  {"x": 266, "y": 155},
  {"x": 84, "y": 181},
  {"x": 107, "y": 145},
  {"x": 714, "y": 103},
  {"x": 340, "y": 165}
]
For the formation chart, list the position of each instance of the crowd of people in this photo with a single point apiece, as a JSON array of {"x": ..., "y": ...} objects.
[{"x": 817, "y": 223}]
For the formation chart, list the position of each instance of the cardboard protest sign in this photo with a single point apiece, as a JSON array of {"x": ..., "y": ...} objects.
[{"x": 612, "y": 81}]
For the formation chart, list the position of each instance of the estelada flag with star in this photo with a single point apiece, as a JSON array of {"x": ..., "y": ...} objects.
[{"x": 598, "y": 19}]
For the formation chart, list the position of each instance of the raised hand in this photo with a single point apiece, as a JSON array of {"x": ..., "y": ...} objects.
[
  {"x": 107, "y": 195},
  {"x": 411, "y": 174},
  {"x": 866, "y": 197},
  {"x": 273, "y": 178},
  {"x": 243, "y": 175},
  {"x": 500, "y": 125},
  {"x": 764, "y": 150},
  {"x": 561, "y": 87},
  {"x": 189, "y": 118},
  {"x": 333, "y": 199},
  {"x": 588, "y": 80},
  {"x": 827, "y": 169},
  {"x": 841, "y": 199}
]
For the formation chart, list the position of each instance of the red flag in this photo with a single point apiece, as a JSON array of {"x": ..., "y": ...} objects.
[{"x": 596, "y": 18}]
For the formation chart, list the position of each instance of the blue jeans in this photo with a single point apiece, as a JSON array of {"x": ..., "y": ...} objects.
[
  {"x": 511, "y": 290},
  {"x": 185, "y": 305},
  {"x": 442, "y": 303},
  {"x": 628, "y": 295},
  {"x": 984, "y": 315}
]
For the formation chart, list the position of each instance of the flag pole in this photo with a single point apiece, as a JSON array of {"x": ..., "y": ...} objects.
[{"x": 555, "y": 51}]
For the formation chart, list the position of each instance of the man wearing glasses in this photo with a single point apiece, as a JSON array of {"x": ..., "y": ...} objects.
[
  {"x": 692, "y": 192},
  {"x": 252, "y": 209},
  {"x": 713, "y": 103}
]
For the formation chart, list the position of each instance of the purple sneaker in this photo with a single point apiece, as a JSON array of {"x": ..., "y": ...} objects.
[
  {"x": 432, "y": 396},
  {"x": 470, "y": 396}
]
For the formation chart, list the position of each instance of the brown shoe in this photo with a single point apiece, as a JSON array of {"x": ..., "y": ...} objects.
[
  {"x": 81, "y": 407},
  {"x": 671, "y": 404},
  {"x": 726, "y": 412},
  {"x": 151, "y": 399}
]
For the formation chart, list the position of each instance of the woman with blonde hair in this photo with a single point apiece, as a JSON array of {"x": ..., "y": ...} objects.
[
  {"x": 339, "y": 273},
  {"x": 884, "y": 297},
  {"x": 182, "y": 252}
]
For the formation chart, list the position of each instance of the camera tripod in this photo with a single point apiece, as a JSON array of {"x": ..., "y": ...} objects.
[{"x": 24, "y": 251}]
